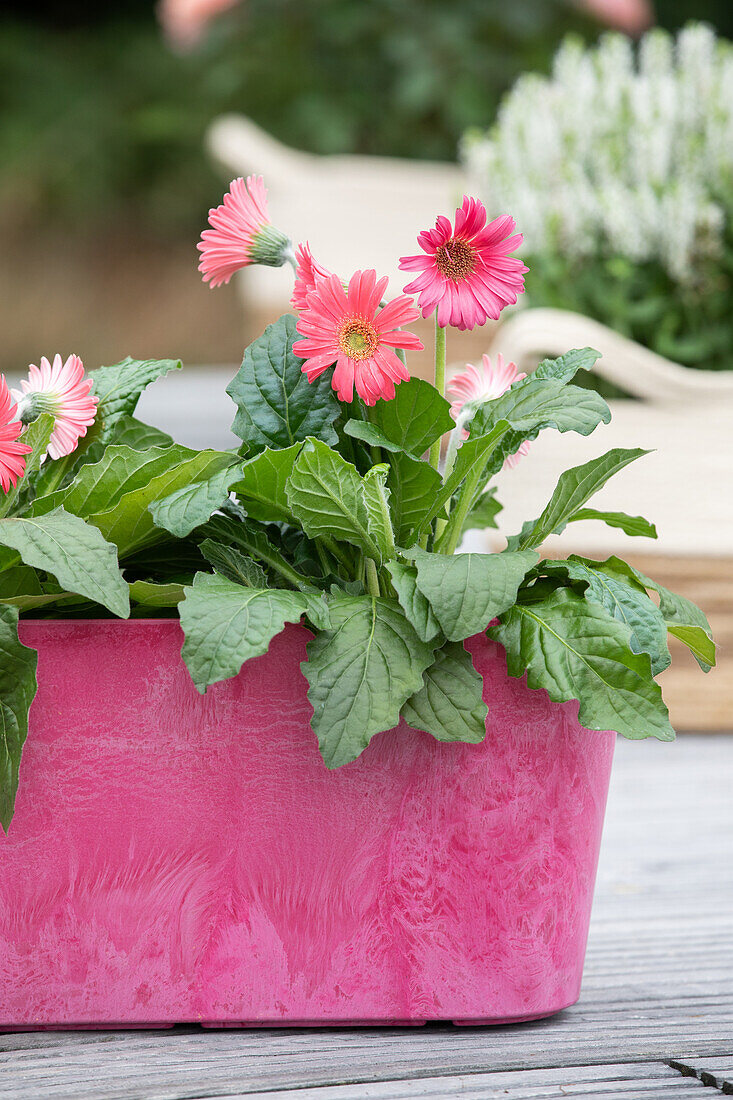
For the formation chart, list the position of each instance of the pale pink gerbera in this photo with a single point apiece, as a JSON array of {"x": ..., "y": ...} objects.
[
  {"x": 347, "y": 327},
  {"x": 474, "y": 386},
  {"x": 307, "y": 270},
  {"x": 467, "y": 272},
  {"x": 12, "y": 453},
  {"x": 241, "y": 233},
  {"x": 63, "y": 390},
  {"x": 184, "y": 21}
]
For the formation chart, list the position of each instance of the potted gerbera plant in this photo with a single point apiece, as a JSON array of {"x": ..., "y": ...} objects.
[{"x": 180, "y": 848}]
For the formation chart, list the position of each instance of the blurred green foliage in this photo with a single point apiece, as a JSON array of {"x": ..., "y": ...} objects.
[{"x": 102, "y": 117}]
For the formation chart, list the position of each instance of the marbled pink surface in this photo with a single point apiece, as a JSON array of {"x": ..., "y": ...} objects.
[{"x": 177, "y": 857}]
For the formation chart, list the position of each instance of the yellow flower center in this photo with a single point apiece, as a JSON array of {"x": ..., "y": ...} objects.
[
  {"x": 455, "y": 259},
  {"x": 358, "y": 338}
]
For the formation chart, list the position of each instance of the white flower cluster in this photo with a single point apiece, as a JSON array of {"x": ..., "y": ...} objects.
[{"x": 621, "y": 151}]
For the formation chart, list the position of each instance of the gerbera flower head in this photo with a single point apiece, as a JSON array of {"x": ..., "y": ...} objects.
[
  {"x": 241, "y": 233},
  {"x": 12, "y": 452},
  {"x": 466, "y": 271},
  {"x": 307, "y": 270},
  {"x": 486, "y": 384},
  {"x": 62, "y": 389},
  {"x": 347, "y": 327}
]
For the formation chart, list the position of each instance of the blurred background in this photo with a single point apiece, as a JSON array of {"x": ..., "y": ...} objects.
[{"x": 605, "y": 127}]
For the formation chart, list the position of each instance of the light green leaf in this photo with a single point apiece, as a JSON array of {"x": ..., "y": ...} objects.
[
  {"x": 74, "y": 552},
  {"x": 470, "y": 466},
  {"x": 413, "y": 487},
  {"x": 361, "y": 672},
  {"x": 36, "y": 435},
  {"x": 326, "y": 494},
  {"x": 191, "y": 505},
  {"x": 261, "y": 487},
  {"x": 573, "y": 488},
  {"x": 410, "y": 422},
  {"x": 415, "y": 606},
  {"x": 376, "y": 498},
  {"x": 450, "y": 704},
  {"x": 467, "y": 591},
  {"x": 226, "y": 624},
  {"x": 483, "y": 513},
  {"x": 575, "y": 650},
  {"x": 150, "y": 594},
  {"x": 233, "y": 564},
  {"x": 565, "y": 367},
  {"x": 630, "y": 525},
  {"x": 17, "y": 691},
  {"x": 277, "y": 406},
  {"x": 622, "y": 597}
]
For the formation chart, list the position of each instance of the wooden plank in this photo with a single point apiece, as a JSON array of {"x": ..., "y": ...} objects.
[{"x": 714, "y": 1072}]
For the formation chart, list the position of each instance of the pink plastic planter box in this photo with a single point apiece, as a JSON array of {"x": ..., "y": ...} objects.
[{"x": 177, "y": 857}]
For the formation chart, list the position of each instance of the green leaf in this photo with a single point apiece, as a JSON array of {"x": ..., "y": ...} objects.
[
  {"x": 684, "y": 619},
  {"x": 575, "y": 650},
  {"x": 622, "y": 597},
  {"x": 226, "y": 624},
  {"x": 630, "y": 525},
  {"x": 573, "y": 488},
  {"x": 130, "y": 432},
  {"x": 467, "y": 591},
  {"x": 470, "y": 466},
  {"x": 413, "y": 487},
  {"x": 118, "y": 389},
  {"x": 450, "y": 704},
  {"x": 129, "y": 523},
  {"x": 534, "y": 404},
  {"x": 376, "y": 498},
  {"x": 277, "y": 406},
  {"x": 121, "y": 470},
  {"x": 565, "y": 367},
  {"x": 415, "y": 606},
  {"x": 256, "y": 541},
  {"x": 414, "y": 419},
  {"x": 483, "y": 513},
  {"x": 233, "y": 564},
  {"x": 21, "y": 588},
  {"x": 150, "y": 594},
  {"x": 261, "y": 487},
  {"x": 17, "y": 691},
  {"x": 190, "y": 506},
  {"x": 361, "y": 672},
  {"x": 326, "y": 494},
  {"x": 74, "y": 552},
  {"x": 36, "y": 435}
]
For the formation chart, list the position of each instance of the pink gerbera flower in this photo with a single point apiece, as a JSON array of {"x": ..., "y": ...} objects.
[
  {"x": 307, "y": 270},
  {"x": 63, "y": 390},
  {"x": 474, "y": 386},
  {"x": 241, "y": 233},
  {"x": 12, "y": 453},
  {"x": 347, "y": 327},
  {"x": 467, "y": 271}
]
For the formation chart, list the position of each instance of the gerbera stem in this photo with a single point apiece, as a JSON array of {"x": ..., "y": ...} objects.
[
  {"x": 439, "y": 382},
  {"x": 372, "y": 577}
]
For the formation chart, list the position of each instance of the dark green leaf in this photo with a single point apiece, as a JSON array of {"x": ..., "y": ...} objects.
[
  {"x": 575, "y": 650},
  {"x": 188, "y": 507},
  {"x": 17, "y": 691},
  {"x": 413, "y": 487},
  {"x": 233, "y": 564},
  {"x": 414, "y": 419},
  {"x": 361, "y": 672},
  {"x": 415, "y": 606},
  {"x": 277, "y": 406},
  {"x": 484, "y": 512},
  {"x": 36, "y": 435},
  {"x": 450, "y": 704},
  {"x": 118, "y": 389},
  {"x": 150, "y": 594},
  {"x": 262, "y": 485},
  {"x": 130, "y": 432}
]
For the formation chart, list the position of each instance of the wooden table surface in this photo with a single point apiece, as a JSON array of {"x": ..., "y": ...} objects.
[{"x": 655, "y": 1017}]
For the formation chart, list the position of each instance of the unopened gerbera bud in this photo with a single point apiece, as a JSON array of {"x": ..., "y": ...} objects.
[
  {"x": 62, "y": 389},
  {"x": 241, "y": 234}
]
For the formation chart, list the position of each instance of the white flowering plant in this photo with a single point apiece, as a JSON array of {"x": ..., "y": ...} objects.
[
  {"x": 341, "y": 508},
  {"x": 619, "y": 167}
]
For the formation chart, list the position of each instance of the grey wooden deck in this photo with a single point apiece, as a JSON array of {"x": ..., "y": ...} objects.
[{"x": 655, "y": 1018}]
